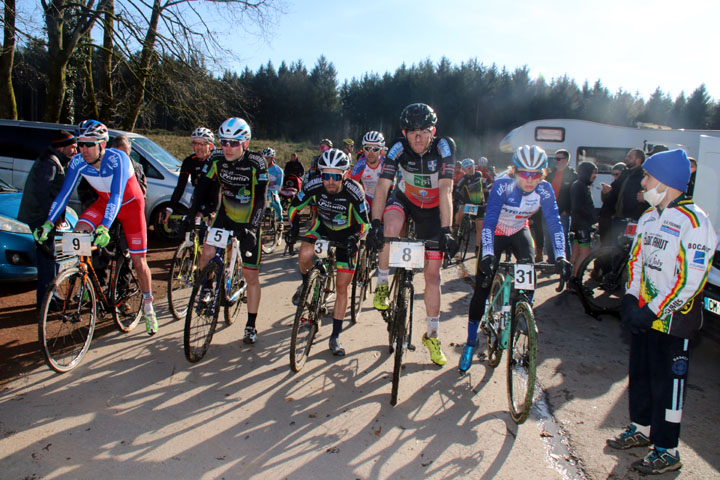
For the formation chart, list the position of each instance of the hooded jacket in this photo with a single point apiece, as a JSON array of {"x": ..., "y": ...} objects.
[{"x": 582, "y": 209}]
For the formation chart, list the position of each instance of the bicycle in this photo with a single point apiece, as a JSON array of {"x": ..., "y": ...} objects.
[
  {"x": 367, "y": 262},
  {"x": 514, "y": 329},
  {"x": 271, "y": 229},
  {"x": 312, "y": 303},
  {"x": 219, "y": 284},
  {"x": 183, "y": 270},
  {"x": 466, "y": 228},
  {"x": 69, "y": 311}
]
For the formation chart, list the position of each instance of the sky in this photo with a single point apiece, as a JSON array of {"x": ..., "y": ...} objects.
[{"x": 636, "y": 45}]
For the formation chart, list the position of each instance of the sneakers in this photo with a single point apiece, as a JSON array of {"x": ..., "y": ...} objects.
[
  {"x": 380, "y": 300},
  {"x": 151, "y": 323},
  {"x": 250, "y": 335},
  {"x": 296, "y": 295},
  {"x": 433, "y": 346},
  {"x": 466, "y": 357},
  {"x": 336, "y": 347},
  {"x": 659, "y": 460},
  {"x": 630, "y": 438}
]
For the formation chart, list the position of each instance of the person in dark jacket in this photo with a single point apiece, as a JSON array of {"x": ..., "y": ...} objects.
[
  {"x": 294, "y": 167},
  {"x": 626, "y": 195},
  {"x": 582, "y": 213},
  {"x": 561, "y": 177},
  {"x": 42, "y": 185},
  {"x": 607, "y": 210}
]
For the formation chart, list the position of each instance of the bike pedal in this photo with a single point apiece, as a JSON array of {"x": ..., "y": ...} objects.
[{"x": 411, "y": 347}]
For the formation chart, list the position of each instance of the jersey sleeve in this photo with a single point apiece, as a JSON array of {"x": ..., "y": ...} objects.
[
  {"x": 183, "y": 177},
  {"x": 359, "y": 205},
  {"x": 634, "y": 265},
  {"x": 391, "y": 164},
  {"x": 357, "y": 170},
  {"x": 71, "y": 178},
  {"x": 446, "y": 149},
  {"x": 122, "y": 170},
  {"x": 204, "y": 185},
  {"x": 260, "y": 181},
  {"x": 552, "y": 218},
  {"x": 496, "y": 200},
  {"x": 303, "y": 198}
]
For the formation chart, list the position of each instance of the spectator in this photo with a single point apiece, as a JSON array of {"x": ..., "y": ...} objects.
[
  {"x": 561, "y": 177},
  {"x": 608, "y": 207},
  {"x": 293, "y": 167},
  {"x": 582, "y": 213},
  {"x": 42, "y": 185},
  {"x": 691, "y": 183},
  {"x": 626, "y": 194},
  {"x": 122, "y": 143}
]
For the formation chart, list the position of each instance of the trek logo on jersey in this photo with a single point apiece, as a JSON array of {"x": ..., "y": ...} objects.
[
  {"x": 675, "y": 232},
  {"x": 422, "y": 181},
  {"x": 432, "y": 165}
]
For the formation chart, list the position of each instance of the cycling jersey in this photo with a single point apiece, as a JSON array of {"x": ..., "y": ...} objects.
[
  {"x": 341, "y": 211},
  {"x": 242, "y": 186},
  {"x": 192, "y": 169},
  {"x": 294, "y": 168},
  {"x": 367, "y": 176},
  {"x": 275, "y": 178},
  {"x": 421, "y": 173},
  {"x": 508, "y": 210},
  {"x": 470, "y": 189},
  {"x": 669, "y": 262}
]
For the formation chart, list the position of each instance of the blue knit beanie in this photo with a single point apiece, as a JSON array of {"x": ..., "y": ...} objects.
[{"x": 671, "y": 168}]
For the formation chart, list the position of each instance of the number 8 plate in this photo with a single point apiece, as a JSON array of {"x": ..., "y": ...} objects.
[{"x": 407, "y": 254}]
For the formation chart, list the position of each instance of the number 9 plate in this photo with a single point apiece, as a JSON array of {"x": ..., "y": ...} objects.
[
  {"x": 407, "y": 254},
  {"x": 76, "y": 244}
]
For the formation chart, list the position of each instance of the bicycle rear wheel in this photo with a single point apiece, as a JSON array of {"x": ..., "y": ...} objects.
[
  {"x": 521, "y": 364},
  {"x": 180, "y": 283},
  {"x": 306, "y": 322},
  {"x": 67, "y": 320},
  {"x": 602, "y": 277},
  {"x": 402, "y": 337},
  {"x": 270, "y": 231},
  {"x": 126, "y": 295},
  {"x": 493, "y": 320},
  {"x": 202, "y": 313}
]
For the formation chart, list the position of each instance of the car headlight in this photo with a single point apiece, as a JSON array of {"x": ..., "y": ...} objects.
[{"x": 11, "y": 225}]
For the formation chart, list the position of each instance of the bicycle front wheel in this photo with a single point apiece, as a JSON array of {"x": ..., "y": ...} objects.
[
  {"x": 602, "y": 277},
  {"x": 521, "y": 364},
  {"x": 67, "y": 320},
  {"x": 270, "y": 231},
  {"x": 202, "y": 313},
  {"x": 494, "y": 319},
  {"x": 180, "y": 283},
  {"x": 402, "y": 337},
  {"x": 306, "y": 322},
  {"x": 126, "y": 295},
  {"x": 359, "y": 285}
]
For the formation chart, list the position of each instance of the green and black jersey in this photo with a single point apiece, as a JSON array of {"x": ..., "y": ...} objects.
[{"x": 344, "y": 210}]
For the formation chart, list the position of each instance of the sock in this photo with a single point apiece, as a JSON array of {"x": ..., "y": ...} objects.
[
  {"x": 644, "y": 429},
  {"x": 472, "y": 338},
  {"x": 671, "y": 451},
  {"x": 251, "y": 320},
  {"x": 305, "y": 276},
  {"x": 337, "y": 328},
  {"x": 383, "y": 276},
  {"x": 147, "y": 302},
  {"x": 433, "y": 327}
]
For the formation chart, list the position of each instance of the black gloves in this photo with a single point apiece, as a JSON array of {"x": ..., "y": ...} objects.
[
  {"x": 448, "y": 242},
  {"x": 375, "y": 238},
  {"x": 637, "y": 319},
  {"x": 563, "y": 268},
  {"x": 351, "y": 244},
  {"x": 292, "y": 234},
  {"x": 188, "y": 224},
  {"x": 486, "y": 265},
  {"x": 249, "y": 241}
]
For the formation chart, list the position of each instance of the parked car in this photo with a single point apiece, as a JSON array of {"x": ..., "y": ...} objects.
[
  {"x": 21, "y": 142},
  {"x": 17, "y": 247}
]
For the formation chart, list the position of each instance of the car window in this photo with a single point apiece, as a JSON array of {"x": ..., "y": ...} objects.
[
  {"x": 7, "y": 188},
  {"x": 24, "y": 143},
  {"x": 157, "y": 152},
  {"x": 148, "y": 169}
]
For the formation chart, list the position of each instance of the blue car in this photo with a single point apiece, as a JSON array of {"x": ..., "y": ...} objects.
[{"x": 17, "y": 247}]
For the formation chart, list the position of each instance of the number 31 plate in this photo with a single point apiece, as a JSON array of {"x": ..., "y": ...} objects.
[
  {"x": 524, "y": 277},
  {"x": 407, "y": 254}
]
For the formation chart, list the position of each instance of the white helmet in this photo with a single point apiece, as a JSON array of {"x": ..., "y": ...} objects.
[
  {"x": 483, "y": 161},
  {"x": 93, "y": 129},
  {"x": 235, "y": 129},
  {"x": 530, "y": 157},
  {"x": 333, "y": 158},
  {"x": 268, "y": 152},
  {"x": 374, "y": 138},
  {"x": 202, "y": 133}
]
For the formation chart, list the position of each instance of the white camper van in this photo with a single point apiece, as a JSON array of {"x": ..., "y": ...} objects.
[{"x": 602, "y": 144}]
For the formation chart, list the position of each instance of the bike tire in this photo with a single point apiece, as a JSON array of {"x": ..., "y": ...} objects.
[
  {"x": 202, "y": 314},
  {"x": 521, "y": 362},
  {"x": 389, "y": 314},
  {"x": 402, "y": 329},
  {"x": 269, "y": 231},
  {"x": 126, "y": 296},
  {"x": 359, "y": 285},
  {"x": 494, "y": 316},
  {"x": 601, "y": 281},
  {"x": 306, "y": 321},
  {"x": 182, "y": 277},
  {"x": 67, "y": 320},
  {"x": 237, "y": 295}
]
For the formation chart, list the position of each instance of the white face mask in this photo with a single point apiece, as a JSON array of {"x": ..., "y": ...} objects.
[{"x": 653, "y": 197}]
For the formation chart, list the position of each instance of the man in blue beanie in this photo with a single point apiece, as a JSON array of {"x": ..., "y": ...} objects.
[{"x": 668, "y": 267}]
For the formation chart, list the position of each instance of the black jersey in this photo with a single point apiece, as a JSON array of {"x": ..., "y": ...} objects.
[
  {"x": 470, "y": 188},
  {"x": 344, "y": 210},
  {"x": 192, "y": 169}
]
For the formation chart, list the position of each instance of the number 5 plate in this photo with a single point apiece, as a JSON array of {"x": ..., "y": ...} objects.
[
  {"x": 407, "y": 254},
  {"x": 76, "y": 244},
  {"x": 217, "y": 237},
  {"x": 524, "y": 277}
]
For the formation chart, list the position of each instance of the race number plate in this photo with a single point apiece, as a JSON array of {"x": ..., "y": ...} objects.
[
  {"x": 524, "y": 277},
  {"x": 471, "y": 209},
  {"x": 407, "y": 254},
  {"x": 217, "y": 237},
  {"x": 712, "y": 305},
  {"x": 76, "y": 244},
  {"x": 321, "y": 248}
]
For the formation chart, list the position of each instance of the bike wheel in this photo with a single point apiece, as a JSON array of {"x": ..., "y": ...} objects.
[
  {"x": 306, "y": 322},
  {"x": 494, "y": 320},
  {"x": 602, "y": 277},
  {"x": 235, "y": 297},
  {"x": 402, "y": 334},
  {"x": 464, "y": 239},
  {"x": 522, "y": 362},
  {"x": 126, "y": 295},
  {"x": 359, "y": 285},
  {"x": 269, "y": 231},
  {"x": 390, "y": 314},
  {"x": 202, "y": 313},
  {"x": 180, "y": 283},
  {"x": 67, "y": 320}
]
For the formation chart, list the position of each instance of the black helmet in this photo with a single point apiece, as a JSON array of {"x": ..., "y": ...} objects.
[{"x": 417, "y": 116}]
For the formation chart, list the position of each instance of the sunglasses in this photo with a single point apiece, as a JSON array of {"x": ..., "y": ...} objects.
[
  {"x": 530, "y": 175},
  {"x": 86, "y": 144},
  {"x": 199, "y": 144},
  {"x": 559, "y": 159},
  {"x": 231, "y": 143},
  {"x": 371, "y": 149},
  {"x": 324, "y": 148},
  {"x": 332, "y": 176}
]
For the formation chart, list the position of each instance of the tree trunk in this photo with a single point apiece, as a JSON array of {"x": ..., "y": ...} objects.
[
  {"x": 8, "y": 105},
  {"x": 105, "y": 93}
]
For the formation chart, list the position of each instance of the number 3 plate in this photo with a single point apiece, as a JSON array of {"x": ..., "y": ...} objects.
[
  {"x": 217, "y": 237},
  {"x": 321, "y": 248},
  {"x": 76, "y": 244},
  {"x": 407, "y": 254},
  {"x": 524, "y": 277}
]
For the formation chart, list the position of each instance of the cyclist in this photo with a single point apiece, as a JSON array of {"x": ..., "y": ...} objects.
[
  {"x": 424, "y": 194},
  {"x": 275, "y": 181},
  {"x": 349, "y": 149},
  {"x": 193, "y": 167},
  {"x": 111, "y": 175},
  {"x": 314, "y": 171},
  {"x": 242, "y": 179},
  {"x": 487, "y": 173},
  {"x": 470, "y": 190},
  {"x": 368, "y": 168},
  {"x": 513, "y": 199},
  {"x": 342, "y": 217}
]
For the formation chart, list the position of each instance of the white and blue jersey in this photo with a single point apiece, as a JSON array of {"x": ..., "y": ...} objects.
[{"x": 275, "y": 178}]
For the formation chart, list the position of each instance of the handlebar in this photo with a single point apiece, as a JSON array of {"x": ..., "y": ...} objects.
[{"x": 431, "y": 243}]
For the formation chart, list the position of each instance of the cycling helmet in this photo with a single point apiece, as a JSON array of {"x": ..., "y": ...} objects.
[
  {"x": 417, "y": 116},
  {"x": 374, "y": 138},
  {"x": 268, "y": 152},
  {"x": 202, "y": 133},
  {"x": 93, "y": 129},
  {"x": 468, "y": 162},
  {"x": 326, "y": 142},
  {"x": 349, "y": 141},
  {"x": 333, "y": 158},
  {"x": 530, "y": 157},
  {"x": 235, "y": 129},
  {"x": 483, "y": 162}
]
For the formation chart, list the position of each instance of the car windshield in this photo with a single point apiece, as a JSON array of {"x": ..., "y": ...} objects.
[
  {"x": 7, "y": 188},
  {"x": 155, "y": 150}
]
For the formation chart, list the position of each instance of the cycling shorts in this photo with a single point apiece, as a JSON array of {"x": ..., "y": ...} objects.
[
  {"x": 251, "y": 262},
  {"x": 131, "y": 216},
  {"x": 582, "y": 237},
  {"x": 520, "y": 244},
  {"x": 427, "y": 221},
  {"x": 342, "y": 259}
]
